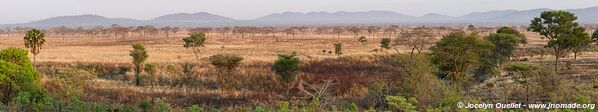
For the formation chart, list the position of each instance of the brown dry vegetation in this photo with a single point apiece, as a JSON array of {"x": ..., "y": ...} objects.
[{"x": 352, "y": 73}]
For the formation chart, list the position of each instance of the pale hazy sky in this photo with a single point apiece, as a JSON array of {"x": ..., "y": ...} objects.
[{"x": 18, "y": 11}]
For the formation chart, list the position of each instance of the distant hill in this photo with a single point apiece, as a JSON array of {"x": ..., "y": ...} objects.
[
  {"x": 204, "y": 19},
  {"x": 190, "y": 20},
  {"x": 79, "y": 21},
  {"x": 340, "y": 17}
]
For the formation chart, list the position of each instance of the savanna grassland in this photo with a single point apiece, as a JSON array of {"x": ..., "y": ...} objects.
[{"x": 85, "y": 71}]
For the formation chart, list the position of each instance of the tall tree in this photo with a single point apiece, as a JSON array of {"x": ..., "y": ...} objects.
[
  {"x": 560, "y": 27},
  {"x": 457, "y": 52},
  {"x": 139, "y": 55},
  {"x": 34, "y": 40},
  {"x": 195, "y": 41}
]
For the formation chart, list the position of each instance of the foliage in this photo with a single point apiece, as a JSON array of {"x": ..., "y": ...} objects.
[
  {"x": 506, "y": 40},
  {"x": 362, "y": 39},
  {"x": 595, "y": 36},
  {"x": 286, "y": 67},
  {"x": 35, "y": 99},
  {"x": 34, "y": 39},
  {"x": 458, "y": 52},
  {"x": 401, "y": 103},
  {"x": 338, "y": 49},
  {"x": 225, "y": 61},
  {"x": 385, "y": 43},
  {"x": 19, "y": 79},
  {"x": 139, "y": 55},
  {"x": 417, "y": 39},
  {"x": 194, "y": 108},
  {"x": 259, "y": 109},
  {"x": 283, "y": 107},
  {"x": 195, "y": 41},
  {"x": 162, "y": 107},
  {"x": 68, "y": 83},
  {"x": 145, "y": 106},
  {"x": 418, "y": 80},
  {"x": 15, "y": 55},
  {"x": 77, "y": 105},
  {"x": 188, "y": 73},
  {"x": 561, "y": 30},
  {"x": 353, "y": 108},
  {"x": 151, "y": 70}
]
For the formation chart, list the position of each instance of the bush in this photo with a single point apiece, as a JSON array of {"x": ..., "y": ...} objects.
[
  {"x": 194, "y": 108},
  {"x": 145, "y": 106},
  {"x": 286, "y": 67},
  {"x": 228, "y": 63},
  {"x": 259, "y": 109},
  {"x": 19, "y": 79},
  {"x": 401, "y": 103},
  {"x": 385, "y": 43},
  {"x": 338, "y": 49},
  {"x": 162, "y": 107},
  {"x": 152, "y": 76},
  {"x": 68, "y": 83},
  {"x": 225, "y": 61}
]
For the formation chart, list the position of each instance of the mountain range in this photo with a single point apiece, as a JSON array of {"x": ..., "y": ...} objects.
[{"x": 205, "y": 19}]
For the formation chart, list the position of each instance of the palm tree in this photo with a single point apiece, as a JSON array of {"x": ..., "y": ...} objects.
[{"x": 34, "y": 40}]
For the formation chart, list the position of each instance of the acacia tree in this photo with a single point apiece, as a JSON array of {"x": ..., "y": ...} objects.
[
  {"x": 194, "y": 42},
  {"x": 139, "y": 55},
  {"x": 561, "y": 29},
  {"x": 34, "y": 40},
  {"x": 580, "y": 41},
  {"x": 417, "y": 39},
  {"x": 457, "y": 52},
  {"x": 506, "y": 40}
]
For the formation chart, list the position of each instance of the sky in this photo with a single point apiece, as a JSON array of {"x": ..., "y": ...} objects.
[{"x": 20, "y": 11}]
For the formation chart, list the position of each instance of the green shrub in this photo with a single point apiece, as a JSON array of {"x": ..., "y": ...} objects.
[
  {"x": 385, "y": 43},
  {"x": 194, "y": 108},
  {"x": 259, "y": 109},
  {"x": 67, "y": 83},
  {"x": 77, "y": 106},
  {"x": 338, "y": 49},
  {"x": 283, "y": 107},
  {"x": 145, "y": 106},
  {"x": 401, "y": 103},
  {"x": 225, "y": 61},
  {"x": 352, "y": 108},
  {"x": 19, "y": 79},
  {"x": 162, "y": 107},
  {"x": 286, "y": 67}
]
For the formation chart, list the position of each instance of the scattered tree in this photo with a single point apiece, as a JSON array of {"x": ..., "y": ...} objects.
[
  {"x": 139, "y": 55},
  {"x": 225, "y": 62},
  {"x": 417, "y": 39},
  {"x": 506, "y": 41},
  {"x": 456, "y": 52},
  {"x": 286, "y": 67},
  {"x": 195, "y": 41},
  {"x": 338, "y": 47},
  {"x": 362, "y": 40},
  {"x": 34, "y": 40},
  {"x": 385, "y": 43},
  {"x": 560, "y": 28}
]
